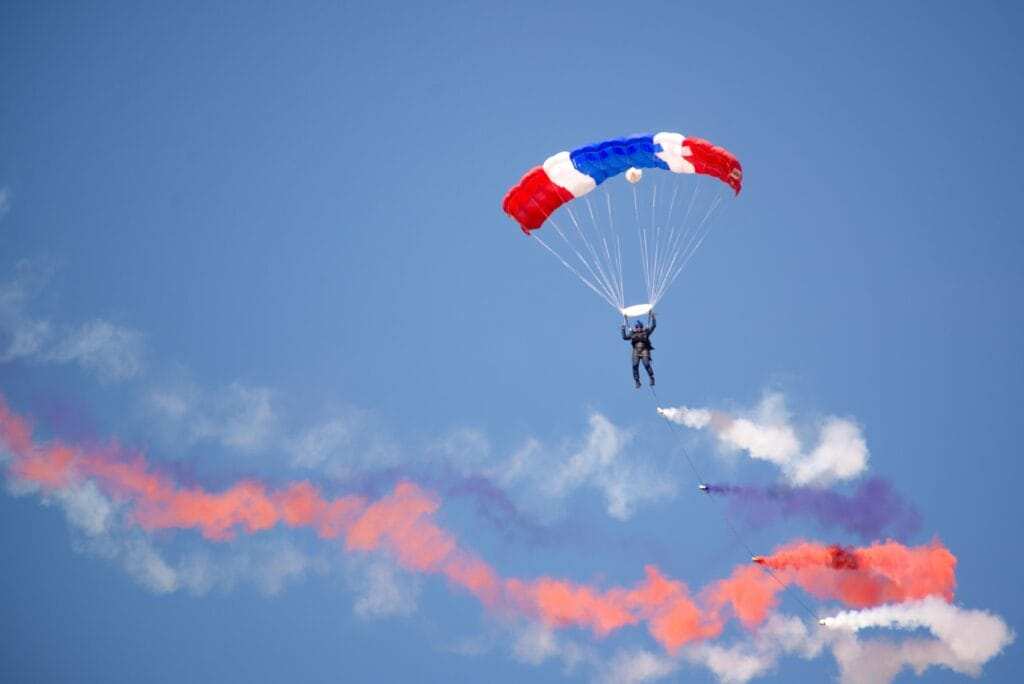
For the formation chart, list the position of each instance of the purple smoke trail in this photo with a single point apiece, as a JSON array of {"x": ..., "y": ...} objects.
[
  {"x": 495, "y": 506},
  {"x": 872, "y": 512},
  {"x": 490, "y": 501}
]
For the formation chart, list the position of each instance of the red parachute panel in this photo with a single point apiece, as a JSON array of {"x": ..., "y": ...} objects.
[
  {"x": 710, "y": 160},
  {"x": 533, "y": 199}
]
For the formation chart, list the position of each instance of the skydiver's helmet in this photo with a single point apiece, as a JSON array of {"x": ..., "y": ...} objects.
[{"x": 638, "y": 326}]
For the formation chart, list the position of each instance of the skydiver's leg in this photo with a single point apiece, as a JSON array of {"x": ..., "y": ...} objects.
[
  {"x": 649, "y": 369},
  {"x": 636, "y": 370}
]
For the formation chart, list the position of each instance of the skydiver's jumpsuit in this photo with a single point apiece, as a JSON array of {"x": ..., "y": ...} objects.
[{"x": 642, "y": 348}]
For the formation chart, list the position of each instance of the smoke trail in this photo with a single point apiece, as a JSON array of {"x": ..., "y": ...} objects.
[
  {"x": 969, "y": 637},
  {"x": 757, "y": 653},
  {"x": 841, "y": 453},
  {"x": 867, "y": 576},
  {"x": 871, "y": 512},
  {"x": 491, "y": 503},
  {"x": 402, "y": 524},
  {"x": 963, "y": 641}
]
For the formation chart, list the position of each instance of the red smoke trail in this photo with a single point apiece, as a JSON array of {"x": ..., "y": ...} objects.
[
  {"x": 402, "y": 523},
  {"x": 867, "y": 576}
]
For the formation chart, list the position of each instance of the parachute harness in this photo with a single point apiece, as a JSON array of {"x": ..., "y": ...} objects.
[{"x": 728, "y": 521}]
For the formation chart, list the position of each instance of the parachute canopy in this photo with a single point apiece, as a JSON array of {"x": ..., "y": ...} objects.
[
  {"x": 588, "y": 241},
  {"x": 569, "y": 175}
]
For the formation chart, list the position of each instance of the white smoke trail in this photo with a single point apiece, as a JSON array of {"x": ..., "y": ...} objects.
[
  {"x": 696, "y": 419},
  {"x": 767, "y": 434},
  {"x": 970, "y": 637},
  {"x": 757, "y": 655}
]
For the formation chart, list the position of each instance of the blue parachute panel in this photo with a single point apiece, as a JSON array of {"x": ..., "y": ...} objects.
[{"x": 612, "y": 157}]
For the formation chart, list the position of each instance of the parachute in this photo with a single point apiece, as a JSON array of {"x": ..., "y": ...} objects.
[{"x": 590, "y": 243}]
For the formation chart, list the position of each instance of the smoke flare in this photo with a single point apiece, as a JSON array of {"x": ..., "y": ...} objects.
[
  {"x": 766, "y": 434},
  {"x": 873, "y": 511},
  {"x": 969, "y": 637},
  {"x": 868, "y": 576}
]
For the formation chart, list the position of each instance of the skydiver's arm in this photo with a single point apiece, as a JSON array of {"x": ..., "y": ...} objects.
[
  {"x": 626, "y": 335},
  {"x": 654, "y": 324}
]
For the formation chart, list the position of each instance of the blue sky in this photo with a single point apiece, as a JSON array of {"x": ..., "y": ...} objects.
[{"x": 224, "y": 231}]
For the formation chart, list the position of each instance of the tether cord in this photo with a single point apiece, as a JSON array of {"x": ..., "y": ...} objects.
[{"x": 728, "y": 521}]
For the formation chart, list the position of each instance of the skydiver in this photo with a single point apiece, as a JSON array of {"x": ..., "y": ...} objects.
[{"x": 640, "y": 338}]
